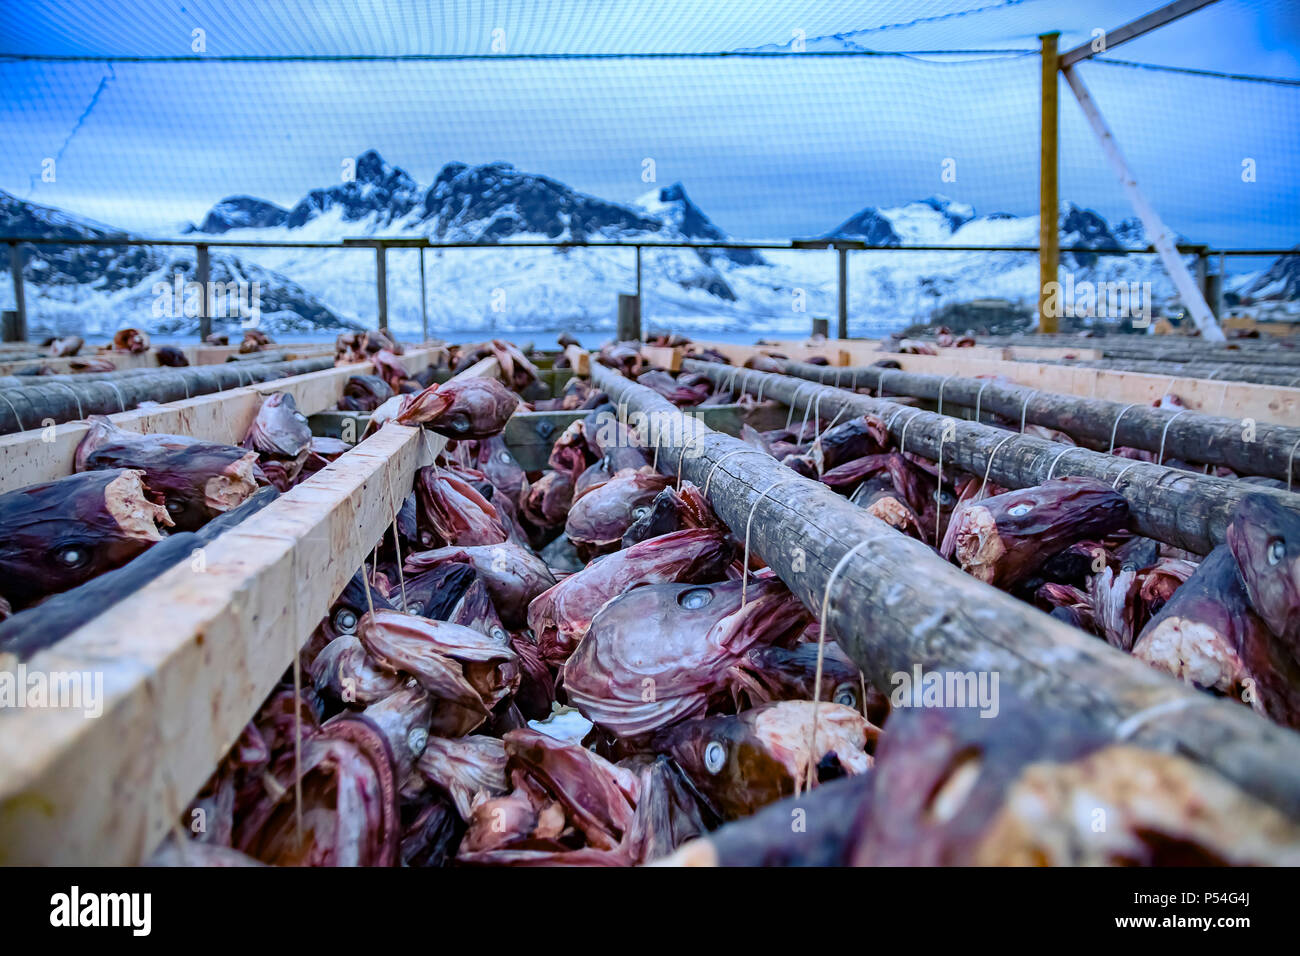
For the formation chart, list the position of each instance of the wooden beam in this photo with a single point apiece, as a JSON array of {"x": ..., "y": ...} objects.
[
  {"x": 1097, "y": 422},
  {"x": 1161, "y": 237},
  {"x": 29, "y": 457},
  {"x": 1132, "y": 30},
  {"x": 1185, "y": 509},
  {"x": 579, "y": 360},
  {"x": 895, "y": 604},
  {"x": 187, "y": 661},
  {"x": 1049, "y": 204}
]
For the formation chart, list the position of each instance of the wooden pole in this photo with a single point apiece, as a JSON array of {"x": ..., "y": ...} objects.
[
  {"x": 894, "y": 604},
  {"x": 1180, "y": 508},
  {"x": 1162, "y": 238},
  {"x": 20, "y": 296},
  {"x": 1180, "y": 432},
  {"x": 203, "y": 273},
  {"x": 1049, "y": 239}
]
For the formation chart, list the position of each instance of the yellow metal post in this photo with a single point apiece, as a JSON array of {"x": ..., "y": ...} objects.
[{"x": 1049, "y": 251}]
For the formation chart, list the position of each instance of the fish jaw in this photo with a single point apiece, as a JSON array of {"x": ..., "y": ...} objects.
[
  {"x": 979, "y": 546},
  {"x": 232, "y": 487}
]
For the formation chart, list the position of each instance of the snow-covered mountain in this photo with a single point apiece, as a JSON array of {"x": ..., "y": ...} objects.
[
  {"x": 99, "y": 289},
  {"x": 504, "y": 288}
]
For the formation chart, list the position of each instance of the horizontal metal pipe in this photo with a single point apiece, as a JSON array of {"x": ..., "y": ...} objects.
[
  {"x": 1258, "y": 449},
  {"x": 1180, "y": 508},
  {"x": 893, "y": 603}
]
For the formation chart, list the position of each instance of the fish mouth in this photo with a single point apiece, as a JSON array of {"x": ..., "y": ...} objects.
[
  {"x": 136, "y": 515},
  {"x": 979, "y": 546},
  {"x": 233, "y": 486}
]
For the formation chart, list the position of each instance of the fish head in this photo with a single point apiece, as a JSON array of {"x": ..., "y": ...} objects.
[
  {"x": 741, "y": 762},
  {"x": 1265, "y": 540},
  {"x": 471, "y": 408},
  {"x": 598, "y": 520}
]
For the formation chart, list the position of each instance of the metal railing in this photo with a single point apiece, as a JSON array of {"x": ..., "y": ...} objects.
[{"x": 381, "y": 245}]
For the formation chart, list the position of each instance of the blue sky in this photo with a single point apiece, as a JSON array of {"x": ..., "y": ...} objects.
[{"x": 770, "y": 148}]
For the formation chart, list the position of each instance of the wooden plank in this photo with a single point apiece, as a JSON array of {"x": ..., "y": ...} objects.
[
  {"x": 1265, "y": 403},
  {"x": 579, "y": 360},
  {"x": 105, "y": 791},
  {"x": 28, "y": 457},
  {"x": 663, "y": 356}
]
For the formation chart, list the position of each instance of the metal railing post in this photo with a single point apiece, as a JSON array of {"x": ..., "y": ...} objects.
[
  {"x": 19, "y": 331},
  {"x": 381, "y": 283},
  {"x": 424, "y": 300},
  {"x": 843, "y": 331},
  {"x": 203, "y": 273}
]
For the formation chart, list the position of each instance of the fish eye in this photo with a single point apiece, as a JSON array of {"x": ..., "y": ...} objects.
[
  {"x": 503, "y": 456},
  {"x": 715, "y": 756},
  {"x": 1020, "y": 508},
  {"x": 345, "y": 620},
  {"x": 846, "y": 694},
  {"x": 175, "y": 507},
  {"x": 415, "y": 607},
  {"x": 695, "y": 598},
  {"x": 72, "y": 556},
  {"x": 498, "y": 633},
  {"x": 1276, "y": 551},
  {"x": 641, "y": 512},
  {"x": 458, "y": 422},
  {"x": 417, "y": 739}
]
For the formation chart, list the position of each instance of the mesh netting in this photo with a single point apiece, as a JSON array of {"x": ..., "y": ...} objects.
[{"x": 822, "y": 123}]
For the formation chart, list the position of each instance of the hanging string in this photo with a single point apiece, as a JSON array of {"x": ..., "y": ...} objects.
[
  {"x": 17, "y": 419},
  {"x": 942, "y": 386},
  {"x": 1114, "y": 429},
  {"x": 1161, "y": 457},
  {"x": 708, "y": 479},
  {"x": 744, "y": 572},
  {"x": 1290, "y": 461},
  {"x": 821, "y": 655},
  {"x": 989, "y": 467},
  {"x": 1024, "y": 409},
  {"x": 1124, "y": 471},
  {"x": 1051, "y": 471},
  {"x": 978, "y": 397}
]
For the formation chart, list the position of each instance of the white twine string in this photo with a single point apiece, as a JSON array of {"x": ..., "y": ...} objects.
[
  {"x": 821, "y": 653},
  {"x": 1124, "y": 471},
  {"x": 75, "y": 396},
  {"x": 1114, "y": 429},
  {"x": 1290, "y": 461},
  {"x": 979, "y": 397},
  {"x": 794, "y": 402},
  {"x": 1161, "y": 457},
  {"x": 744, "y": 572},
  {"x": 1130, "y": 726},
  {"x": 708, "y": 479},
  {"x": 942, "y": 386},
  {"x": 17, "y": 418},
  {"x": 1024, "y": 409},
  {"x": 988, "y": 468},
  {"x": 1051, "y": 471}
]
